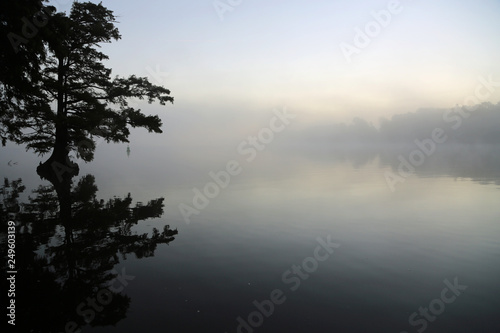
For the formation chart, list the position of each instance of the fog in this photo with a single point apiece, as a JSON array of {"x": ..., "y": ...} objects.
[
  {"x": 459, "y": 142},
  {"x": 190, "y": 148},
  {"x": 479, "y": 124}
]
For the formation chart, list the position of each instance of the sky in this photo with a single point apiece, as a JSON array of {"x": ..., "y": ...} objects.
[{"x": 229, "y": 63}]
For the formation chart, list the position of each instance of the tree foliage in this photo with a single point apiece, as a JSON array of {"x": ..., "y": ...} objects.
[
  {"x": 73, "y": 100},
  {"x": 22, "y": 53}
]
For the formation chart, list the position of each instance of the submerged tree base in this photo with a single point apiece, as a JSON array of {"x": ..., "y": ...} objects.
[{"x": 57, "y": 170}]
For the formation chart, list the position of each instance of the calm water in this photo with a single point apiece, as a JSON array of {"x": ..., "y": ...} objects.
[{"x": 432, "y": 243}]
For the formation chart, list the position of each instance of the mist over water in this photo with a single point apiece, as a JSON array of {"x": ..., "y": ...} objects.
[{"x": 412, "y": 213}]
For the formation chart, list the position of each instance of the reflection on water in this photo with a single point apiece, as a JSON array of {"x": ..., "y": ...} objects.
[
  {"x": 397, "y": 249},
  {"x": 477, "y": 162},
  {"x": 69, "y": 272}
]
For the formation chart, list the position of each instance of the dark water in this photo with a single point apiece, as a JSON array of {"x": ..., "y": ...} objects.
[{"x": 298, "y": 244}]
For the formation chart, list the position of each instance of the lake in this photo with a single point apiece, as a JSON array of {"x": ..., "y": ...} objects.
[{"x": 308, "y": 243}]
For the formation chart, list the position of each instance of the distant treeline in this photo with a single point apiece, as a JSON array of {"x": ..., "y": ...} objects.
[
  {"x": 463, "y": 125},
  {"x": 458, "y": 142}
]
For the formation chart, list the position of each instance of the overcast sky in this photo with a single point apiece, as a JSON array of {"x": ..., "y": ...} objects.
[{"x": 229, "y": 65}]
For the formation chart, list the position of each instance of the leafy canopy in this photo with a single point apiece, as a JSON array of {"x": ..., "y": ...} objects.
[{"x": 74, "y": 100}]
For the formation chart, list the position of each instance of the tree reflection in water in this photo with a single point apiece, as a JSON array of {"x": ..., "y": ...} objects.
[{"x": 65, "y": 266}]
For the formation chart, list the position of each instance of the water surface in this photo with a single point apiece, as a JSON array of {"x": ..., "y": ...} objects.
[{"x": 260, "y": 238}]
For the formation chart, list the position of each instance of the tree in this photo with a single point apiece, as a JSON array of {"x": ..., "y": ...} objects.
[
  {"x": 22, "y": 52},
  {"x": 75, "y": 100}
]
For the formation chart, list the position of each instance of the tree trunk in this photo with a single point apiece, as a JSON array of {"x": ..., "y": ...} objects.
[{"x": 58, "y": 169}]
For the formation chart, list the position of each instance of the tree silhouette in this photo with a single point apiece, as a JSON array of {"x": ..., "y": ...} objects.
[
  {"x": 65, "y": 98},
  {"x": 75, "y": 100},
  {"x": 22, "y": 52},
  {"x": 57, "y": 96}
]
